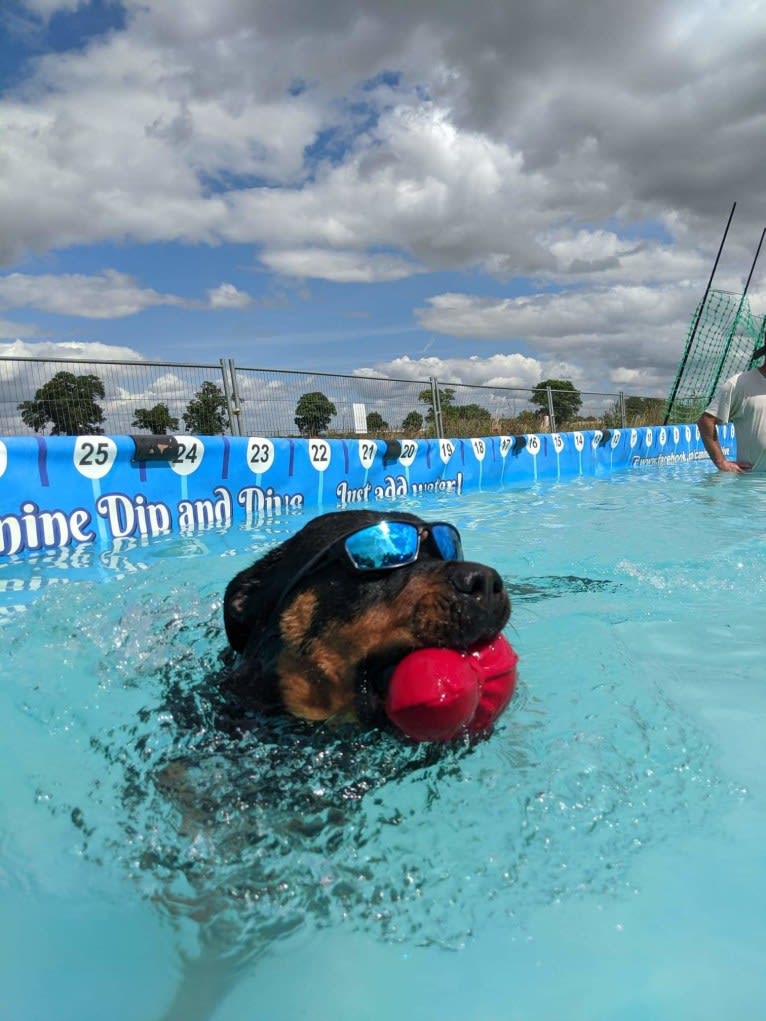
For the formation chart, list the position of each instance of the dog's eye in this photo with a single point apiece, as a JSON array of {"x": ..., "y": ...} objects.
[{"x": 428, "y": 539}]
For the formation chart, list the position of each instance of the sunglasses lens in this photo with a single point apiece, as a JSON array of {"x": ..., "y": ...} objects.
[
  {"x": 387, "y": 544},
  {"x": 447, "y": 541}
]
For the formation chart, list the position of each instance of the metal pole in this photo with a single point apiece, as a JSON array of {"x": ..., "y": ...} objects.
[
  {"x": 437, "y": 408},
  {"x": 621, "y": 398},
  {"x": 733, "y": 330},
  {"x": 551, "y": 412},
  {"x": 237, "y": 401},
  {"x": 227, "y": 395},
  {"x": 760, "y": 350},
  {"x": 681, "y": 367}
]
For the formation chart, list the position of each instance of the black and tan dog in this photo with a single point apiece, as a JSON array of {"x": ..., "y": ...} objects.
[{"x": 320, "y": 622}]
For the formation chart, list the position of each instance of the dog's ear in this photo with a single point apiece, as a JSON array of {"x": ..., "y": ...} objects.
[{"x": 250, "y": 598}]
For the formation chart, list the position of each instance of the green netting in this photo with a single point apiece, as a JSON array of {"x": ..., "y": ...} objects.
[{"x": 725, "y": 340}]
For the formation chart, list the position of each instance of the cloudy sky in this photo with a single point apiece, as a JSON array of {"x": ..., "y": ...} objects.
[{"x": 485, "y": 191}]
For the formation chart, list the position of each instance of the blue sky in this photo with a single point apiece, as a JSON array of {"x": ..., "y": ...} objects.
[{"x": 487, "y": 194}]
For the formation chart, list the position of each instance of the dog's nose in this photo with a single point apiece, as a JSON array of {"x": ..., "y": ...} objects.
[{"x": 476, "y": 580}]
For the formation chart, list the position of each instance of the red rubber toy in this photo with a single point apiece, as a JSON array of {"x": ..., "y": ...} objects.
[{"x": 437, "y": 694}]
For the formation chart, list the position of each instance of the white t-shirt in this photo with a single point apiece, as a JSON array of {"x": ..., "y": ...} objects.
[{"x": 742, "y": 400}]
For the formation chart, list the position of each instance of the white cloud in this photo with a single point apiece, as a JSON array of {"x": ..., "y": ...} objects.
[
  {"x": 170, "y": 128},
  {"x": 108, "y": 295},
  {"x": 227, "y": 296},
  {"x": 414, "y": 185},
  {"x": 25, "y": 376},
  {"x": 46, "y": 8},
  {"x": 81, "y": 350},
  {"x": 340, "y": 266},
  {"x": 505, "y": 142},
  {"x": 166, "y": 387},
  {"x": 105, "y": 295},
  {"x": 543, "y": 318},
  {"x": 9, "y": 329},
  {"x": 617, "y": 333},
  {"x": 501, "y": 370}
]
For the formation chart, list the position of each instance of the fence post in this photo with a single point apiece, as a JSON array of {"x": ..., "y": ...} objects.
[
  {"x": 437, "y": 407},
  {"x": 621, "y": 398},
  {"x": 551, "y": 413},
  {"x": 230, "y": 407},
  {"x": 237, "y": 403}
]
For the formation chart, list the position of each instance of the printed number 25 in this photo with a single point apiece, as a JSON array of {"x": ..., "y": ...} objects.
[{"x": 94, "y": 453}]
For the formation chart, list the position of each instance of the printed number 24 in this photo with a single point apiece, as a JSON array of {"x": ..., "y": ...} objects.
[{"x": 185, "y": 454}]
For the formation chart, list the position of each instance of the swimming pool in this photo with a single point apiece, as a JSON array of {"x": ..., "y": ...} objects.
[{"x": 600, "y": 856}]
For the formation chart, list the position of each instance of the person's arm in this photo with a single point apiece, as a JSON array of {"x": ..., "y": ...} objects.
[{"x": 707, "y": 426}]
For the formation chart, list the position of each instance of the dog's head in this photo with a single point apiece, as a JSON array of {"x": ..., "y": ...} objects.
[{"x": 321, "y": 620}]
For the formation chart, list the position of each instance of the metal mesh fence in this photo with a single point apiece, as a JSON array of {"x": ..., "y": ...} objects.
[
  {"x": 479, "y": 410},
  {"x": 274, "y": 402},
  {"x": 723, "y": 337},
  {"x": 69, "y": 396}
]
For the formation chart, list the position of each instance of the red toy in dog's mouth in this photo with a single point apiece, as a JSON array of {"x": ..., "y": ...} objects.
[{"x": 437, "y": 694}]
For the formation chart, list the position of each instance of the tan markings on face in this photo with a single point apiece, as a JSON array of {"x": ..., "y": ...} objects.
[
  {"x": 295, "y": 622},
  {"x": 315, "y": 683},
  {"x": 317, "y": 676}
]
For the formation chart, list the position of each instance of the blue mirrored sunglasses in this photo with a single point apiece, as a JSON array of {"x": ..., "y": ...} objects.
[
  {"x": 383, "y": 547},
  {"x": 389, "y": 544}
]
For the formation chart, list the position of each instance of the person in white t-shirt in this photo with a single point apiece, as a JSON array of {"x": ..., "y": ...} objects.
[{"x": 741, "y": 400}]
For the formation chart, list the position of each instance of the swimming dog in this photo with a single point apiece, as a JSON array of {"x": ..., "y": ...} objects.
[{"x": 319, "y": 623}]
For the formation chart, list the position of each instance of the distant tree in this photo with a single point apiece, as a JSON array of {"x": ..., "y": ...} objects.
[
  {"x": 566, "y": 398},
  {"x": 648, "y": 410},
  {"x": 156, "y": 420},
  {"x": 465, "y": 414},
  {"x": 638, "y": 411},
  {"x": 524, "y": 422},
  {"x": 474, "y": 413},
  {"x": 376, "y": 423},
  {"x": 446, "y": 400},
  {"x": 412, "y": 424},
  {"x": 313, "y": 413},
  {"x": 206, "y": 413},
  {"x": 68, "y": 402}
]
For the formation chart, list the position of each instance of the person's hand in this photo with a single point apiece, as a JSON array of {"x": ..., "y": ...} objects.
[{"x": 739, "y": 467}]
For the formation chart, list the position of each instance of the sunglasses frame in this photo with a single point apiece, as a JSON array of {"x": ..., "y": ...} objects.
[
  {"x": 330, "y": 553},
  {"x": 421, "y": 532}
]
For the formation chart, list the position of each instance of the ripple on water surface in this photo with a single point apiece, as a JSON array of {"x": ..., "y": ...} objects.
[{"x": 294, "y": 826}]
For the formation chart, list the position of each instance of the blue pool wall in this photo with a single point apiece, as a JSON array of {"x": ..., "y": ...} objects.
[{"x": 63, "y": 490}]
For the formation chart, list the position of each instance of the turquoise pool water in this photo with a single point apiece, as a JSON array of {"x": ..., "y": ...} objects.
[{"x": 599, "y": 857}]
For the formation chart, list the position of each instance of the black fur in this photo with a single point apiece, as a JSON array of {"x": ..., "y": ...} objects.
[{"x": 326, "y": 645}]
